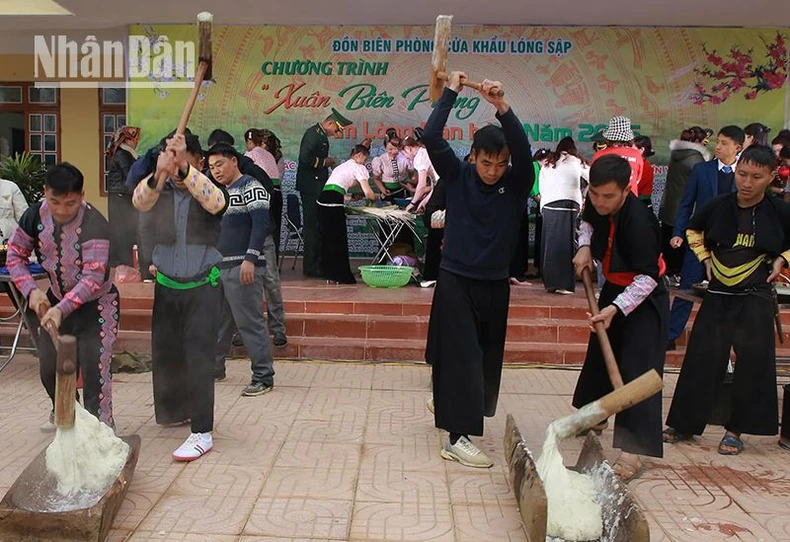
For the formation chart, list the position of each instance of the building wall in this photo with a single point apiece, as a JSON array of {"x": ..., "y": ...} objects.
[{"x": 79, "y": 128}]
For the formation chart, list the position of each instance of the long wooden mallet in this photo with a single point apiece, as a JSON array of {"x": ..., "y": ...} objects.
[
  {"x": 439, "y": 74},
  {"x": 600, "y": 330},
  {"x": 624, "y": 397},
  {"x": 65, "y": 379},
  {"x": 203, "y": 72}
]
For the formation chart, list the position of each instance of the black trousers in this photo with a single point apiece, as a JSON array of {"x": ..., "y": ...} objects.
[
  {"x": 745, "y": 323},
  {"x": 673, "y": 257},
  {"x": 519, "y": 262},
  {"x": 312, "y": 243},
  {"x": 276, "y": 212},
  {"x": 466, "y": 343},
  {"x": 184, "y": 332},
  {"x": 433, "y": 253},
  {"x": 95, "y": 325},
  {"x": 123, "y": 218},
  {"x": 335, "y": 264},
  {"x": 638, "y": 342}
]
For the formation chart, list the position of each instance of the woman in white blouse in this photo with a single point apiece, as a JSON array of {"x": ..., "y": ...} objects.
[
  {"x": 560, "y": 201},
  {"x": 415, "y": 151},
  {"x": 335, "y": 265},
  {"x": 391, "y": 170}
]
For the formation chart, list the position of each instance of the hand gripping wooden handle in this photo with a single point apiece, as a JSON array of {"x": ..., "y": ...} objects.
[
  {"x": 65, "y": 381},
  {"x": 600, "y": 331},
  {"x": 620, "y": 399},
  {"x": 471, "y": 84}
]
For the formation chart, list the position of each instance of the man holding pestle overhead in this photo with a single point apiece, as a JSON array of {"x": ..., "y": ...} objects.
[
  {"x": 620, "y": 231},
  {"x": 468, "y": 324},
  {"x": 70, "y": 239},
  {"x": 181, "y": 210}
]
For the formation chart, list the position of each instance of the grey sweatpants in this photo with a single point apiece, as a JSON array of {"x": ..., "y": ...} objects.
[
  {"x": 243, "y": 303},
  {"x": 271, "y": 286}
]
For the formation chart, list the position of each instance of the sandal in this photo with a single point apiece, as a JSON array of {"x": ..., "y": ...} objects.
[
  {"x": 730, "y": 445},
  {"x": 627, "y": 470},
  {"x": 672, "y": 435}
]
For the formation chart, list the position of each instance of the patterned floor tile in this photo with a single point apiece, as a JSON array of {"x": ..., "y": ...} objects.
[
  {"x": 206, "y": 514},
  {"x": 479, "y": 486},
  {"x": 300, "y": 518},
  {"x": 148, "y": 536},
  {"x": 402, "y": 377},
  {"x": 426, "y": 488},
  {"x": 402, "y": 521},
  {"x": 219, "y": 480},
  {"x": 298, "y": 454},
  {"x": 344, "y": 375},
  {"x": 312, "y": 482},
  {"x": 488, "y": 522}
]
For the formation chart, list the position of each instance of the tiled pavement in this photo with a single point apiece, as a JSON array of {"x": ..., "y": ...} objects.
[{"x": 346, "y": 451}]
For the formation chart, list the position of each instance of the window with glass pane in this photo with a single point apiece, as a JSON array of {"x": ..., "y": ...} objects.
[
  {"x": 42, "y": 95},
  {"x": 113, "y": 96},
  {"x": 50, "y": 159},
  {"x": 10, "y": 95},
  {"x": 50, "y": 123},
  {"x": 109, "y": 123},
  {"x": 50, "y": 142},
  {"x": 35, "y": 123},
  {"x": 35, "y": 143}
]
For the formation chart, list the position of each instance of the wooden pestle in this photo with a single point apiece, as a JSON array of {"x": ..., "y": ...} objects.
[
  {"x": 600, "y": 332},
  {"x": 620, "y": 399},
  {"x": 65, "y": 381}
]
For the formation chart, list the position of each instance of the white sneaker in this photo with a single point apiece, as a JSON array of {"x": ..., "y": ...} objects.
[
  {"x": 428, "y": 284},
  {"x": 195, "y": 446},
  {"x": 466, "y": 453},
  {"x": 429, "y": 405}
]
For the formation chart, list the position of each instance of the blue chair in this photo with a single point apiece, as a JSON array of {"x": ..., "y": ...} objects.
[{"x": 293, "y": 226}]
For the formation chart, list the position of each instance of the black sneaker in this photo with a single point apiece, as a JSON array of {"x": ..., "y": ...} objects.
[
  {"x": 671, "y": 346},
  {"x": 236, "y": 340},
  {"x": 219, "y": 374},
  {"x": 280, "y": 340},
  {"x": 256, "y": 388}
]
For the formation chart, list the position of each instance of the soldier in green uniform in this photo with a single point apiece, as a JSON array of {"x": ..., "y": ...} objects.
[{"x": 311, "y": 175}]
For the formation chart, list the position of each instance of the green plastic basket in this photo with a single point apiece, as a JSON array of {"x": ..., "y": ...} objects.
[{"x": 386, "y": 276}]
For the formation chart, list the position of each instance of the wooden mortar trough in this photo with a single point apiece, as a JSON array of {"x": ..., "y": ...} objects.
[
  {"x": 29, "y": 511},
  {"x": 623, "y": 520}
]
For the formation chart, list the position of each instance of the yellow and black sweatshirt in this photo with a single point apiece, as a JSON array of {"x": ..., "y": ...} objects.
[{"x": 740, "y": 242}]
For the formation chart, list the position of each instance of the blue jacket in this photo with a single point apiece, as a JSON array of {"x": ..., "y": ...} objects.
[{"x": 703, "y": 185}]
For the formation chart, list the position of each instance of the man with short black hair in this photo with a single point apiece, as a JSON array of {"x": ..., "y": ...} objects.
[
  {"x": 622, "y": 233},
  {"x": 71, "y": 240},
  {"x": 468, "y": 324},
  {"x": 245, "y": 230},
  {"x": 275, "y": 308},
  {"x": 742, "y": 239}
]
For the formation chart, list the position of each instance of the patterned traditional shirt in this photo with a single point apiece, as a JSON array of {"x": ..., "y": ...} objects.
[{"x": 74, "y": 255}]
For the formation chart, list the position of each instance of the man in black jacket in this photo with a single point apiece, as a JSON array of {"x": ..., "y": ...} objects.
[
  {"x": 466, "y": 334},
  {"x": 743, "y": 242},
  {"x": 621, "y": 232}
]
